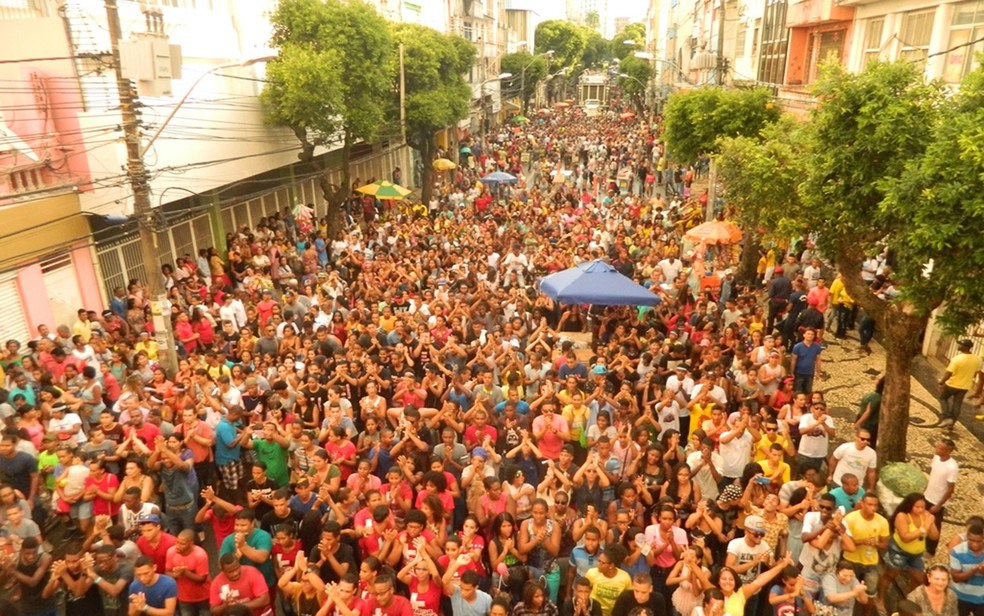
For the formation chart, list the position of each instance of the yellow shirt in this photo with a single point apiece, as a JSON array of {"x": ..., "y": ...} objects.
[
  {"x": 735, "y": 604},
  {"x": 838, "y": 294},
  {"x": 860, "y": 529},
  {"x": 83, "y": 329},
  {"x": 962, "y": 369},
  {"x": 150, "y": 348},
  {"x": 764, "y": 443},
  {"x": 769, "y": 470},
  {"x": 605, "y": 590},
  {"x": 915, "y": 547}
]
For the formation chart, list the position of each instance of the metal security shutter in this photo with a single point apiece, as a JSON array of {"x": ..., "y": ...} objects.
[{"x": 13, "y": 322}]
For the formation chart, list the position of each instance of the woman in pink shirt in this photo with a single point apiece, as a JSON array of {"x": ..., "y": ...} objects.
[{"x": 551, "y": 431}]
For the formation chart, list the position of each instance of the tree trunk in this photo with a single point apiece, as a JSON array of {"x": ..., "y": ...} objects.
[
  {"x": 901, "y": 340},
  {"x": 427, "y": 155},
  {"x": 336, "y": 195},
  {"x": 749, "y": 256}
]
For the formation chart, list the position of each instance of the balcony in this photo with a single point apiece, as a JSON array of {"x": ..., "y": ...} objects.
[
  {"x": 846, "y": 3},
  {"x": 819, "y": 12}
]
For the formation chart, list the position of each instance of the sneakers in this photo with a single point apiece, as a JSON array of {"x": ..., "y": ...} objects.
[{"x": 948, "y": 422}]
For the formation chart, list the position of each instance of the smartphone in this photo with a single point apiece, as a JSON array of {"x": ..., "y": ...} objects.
[{"x": 763, "y": 480}]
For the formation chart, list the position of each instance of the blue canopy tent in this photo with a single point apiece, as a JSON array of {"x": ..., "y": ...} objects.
[
  {"x": 596, "y": 283},
  {"x": 498, "y": 177}
]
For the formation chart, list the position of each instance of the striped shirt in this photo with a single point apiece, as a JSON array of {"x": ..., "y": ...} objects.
[{"x": 963, "y": 559}]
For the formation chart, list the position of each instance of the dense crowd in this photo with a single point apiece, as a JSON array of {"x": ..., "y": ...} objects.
[{"x": 392, "y": 421}]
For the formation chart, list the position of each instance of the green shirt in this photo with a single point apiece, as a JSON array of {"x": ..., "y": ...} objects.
[
  {"x": 274, "y": 456},
  {"x": 49, "y": 461}
]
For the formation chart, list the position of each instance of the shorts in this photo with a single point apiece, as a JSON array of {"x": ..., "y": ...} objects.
[
  {"x": 868, "y": 574},
  {"x": 897, "y": 558}
]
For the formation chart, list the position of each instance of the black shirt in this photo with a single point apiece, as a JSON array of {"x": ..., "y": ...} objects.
[{"x": 626, "y": 605}]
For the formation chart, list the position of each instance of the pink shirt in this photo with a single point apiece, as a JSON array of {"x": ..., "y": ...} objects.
[
  {"x": 550, "y": 443},
  {"x": 665, "y": 558}
]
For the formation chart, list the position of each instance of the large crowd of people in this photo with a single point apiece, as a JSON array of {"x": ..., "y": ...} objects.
[{"x": 392, "y": 421}]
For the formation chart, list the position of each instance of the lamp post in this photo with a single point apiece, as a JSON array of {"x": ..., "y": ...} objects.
[{"x": 139, "y": 180}]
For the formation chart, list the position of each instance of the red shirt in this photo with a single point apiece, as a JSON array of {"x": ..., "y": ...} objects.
[
  {"x": 158, "y": 552},
  {"x": 101, "y": 506},
  {"x": 283, "y": 558},
  {"x": 249, "y": 586},
  {"x": 222, "y": 527},
  {"x": 196, "y": 562},
  {"x": 399, "y": 606},
  {"x": 337, "y": 451}
]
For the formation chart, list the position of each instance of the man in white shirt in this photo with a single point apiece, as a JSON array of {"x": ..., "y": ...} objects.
[
  {"x": 671, "y": 268},
  {"x": 857, "y": 458},
  {"x": 705, "y": 467},
  {"x": 747, "y": 554},
  {"x": 815, "y": 432},
  {"x": 943, "y": 472},
  {"x": 735, "y": 446}
]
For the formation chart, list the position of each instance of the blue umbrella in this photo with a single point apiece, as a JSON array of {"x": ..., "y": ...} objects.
[
  {"x": 597, "y": 283},
  {"x": 498, "y": 177}
]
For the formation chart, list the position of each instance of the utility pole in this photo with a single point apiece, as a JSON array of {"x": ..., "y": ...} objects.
[
  {"x": 720, "y": 45},
  {"x": 139, "y": 183}
]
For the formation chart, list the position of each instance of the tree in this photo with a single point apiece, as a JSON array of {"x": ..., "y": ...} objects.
[
  {"x": 638, "y": 75},
  {"x": 592, "y": 20},
  {"x": 635, "y": 32},
  {"x": 527, "y": 71},
  {"x": 762, "y": 174},
  {"x": 597, "y": 51},
  {"x": 861, "y": 138},
  {"x": 697, "y": 118},
  {"x": 567, "y": 40},
  {"x": 331, "y": 81},
  {"x": 436, "y": 92}
]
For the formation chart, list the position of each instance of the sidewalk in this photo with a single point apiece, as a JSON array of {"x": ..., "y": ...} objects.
[{"x": 853, "y": 374}]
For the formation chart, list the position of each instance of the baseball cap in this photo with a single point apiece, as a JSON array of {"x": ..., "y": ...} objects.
[
  {"x": 599, "y": 369},
  {"x": 754, "y": 524},
  {"x": 149, "y": 518},
  {"x": 480, "y": 452}
]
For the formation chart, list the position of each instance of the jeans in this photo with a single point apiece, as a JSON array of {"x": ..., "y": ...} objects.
[
  {"x": 803, "y": 383},
  {"x": 866, "y": 329},
  {"x": 180, "y": 517},
  {"x": 845, "y": 319},
  {"x": 193, "y": 609},
  {"x": 950, "y": 402},
  {"x": 966, "y": 608}
]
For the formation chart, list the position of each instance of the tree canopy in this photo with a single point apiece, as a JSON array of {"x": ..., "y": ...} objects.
[
  {"x": 331, "y": 80},
  {"x": 886, "y": 163},
  {"x": 635, "y": 32},
  {"x": 437, "y": 95},
  {"x": 566, "y": 39},
  {"x": 697, "y": 118},
  {"x": 527, "y": 70},
  {"x": 638, "y": 75}
]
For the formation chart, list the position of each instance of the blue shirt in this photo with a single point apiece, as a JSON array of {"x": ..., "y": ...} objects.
[
  {"x": 962, "y": 559},
  {"x": 225, "y": 433},
  {"x": 163, "y": 589},
  {"x": 581, "y": 560},
  {"x": 845, "y": 500},
  {"x": 258, "y": 540},
  {"x": 522, "y": 408},
  {"x": 806, "y": 357}
]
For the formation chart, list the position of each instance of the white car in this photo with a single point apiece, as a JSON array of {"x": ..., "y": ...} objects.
[{"x": 592, "y": 107}]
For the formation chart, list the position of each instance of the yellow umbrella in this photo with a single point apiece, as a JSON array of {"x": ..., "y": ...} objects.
[
  {"x": 385, "y": 190},
  {"x": 443, "y": 164}
]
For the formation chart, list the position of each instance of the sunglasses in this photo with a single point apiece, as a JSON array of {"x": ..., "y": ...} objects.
[
  {"x": 756, "y": 533},
  {"x": 561, "y": 502}
]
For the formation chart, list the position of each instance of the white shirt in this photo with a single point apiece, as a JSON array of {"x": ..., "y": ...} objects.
[
  {"x": 670, "y": 269},
  {"x": 941, "y": 474},
  {"x": 852, "y": 460},
  {"x": 703, "y": 477},
  {"x": 735, "y": 454},
  {"x": 745, "y": 554},
  {"x": 814, "y": 444}
]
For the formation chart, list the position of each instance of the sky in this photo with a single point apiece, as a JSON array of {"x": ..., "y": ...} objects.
[{"x": 556, "y": 9}]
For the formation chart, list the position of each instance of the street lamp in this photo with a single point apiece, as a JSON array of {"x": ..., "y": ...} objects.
[{"x": 184, "y": 99}]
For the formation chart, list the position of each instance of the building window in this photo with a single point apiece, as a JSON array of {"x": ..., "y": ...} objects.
[
  {"x": 967, "y": 26},
  {"x": 872, "y": 40},
  {"x": 755, "y": 37},
  {"x": 740, "y": 40},
  {"x": 467, "y": 31},
  {"x": 917, "y": 29},
  {"x": 775, "y": 40}
]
